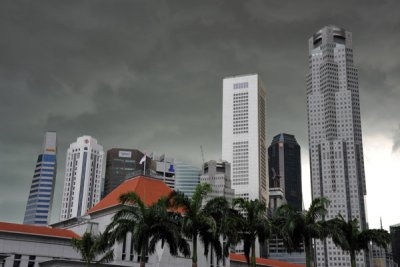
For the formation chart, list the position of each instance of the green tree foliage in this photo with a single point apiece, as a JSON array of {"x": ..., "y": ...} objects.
[
  {"x": 148, "y": 225},
  {"x": 297, "y": 228},
  {"x": 90, "y": 246},
  {"x": 253, "y": 224},
  {"x": 348, "y": 236},
  {"x": 197, "y": 222}
]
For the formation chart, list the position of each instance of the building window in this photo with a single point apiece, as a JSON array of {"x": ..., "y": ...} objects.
[
  {"x": 17, "y": 260},
  {"x": 31, "y": 262},
  {"x": 241, "y": 85}
]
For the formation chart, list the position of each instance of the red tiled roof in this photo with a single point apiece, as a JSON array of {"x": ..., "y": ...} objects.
[
  {"x": 36, "y": 230},
  {"x": 150, "y": 190},
  {"x": 264, "y": 262}
]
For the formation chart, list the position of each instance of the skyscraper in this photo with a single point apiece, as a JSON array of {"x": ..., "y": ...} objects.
[
  {"x": 187, "y": 177},
  {"x": 395, "y": 242},
  {"x": 334, "y": 135},
  {"x": 218, "y": 175},
  {"x": 244, "y": 135},
  {"x": 284, "y": 165},
  {"x": 38, "y": 207},
  {"x": 83, "y": 173},
  {"x": 121, "y": 163},
  {"x": 162, "y": 167}
]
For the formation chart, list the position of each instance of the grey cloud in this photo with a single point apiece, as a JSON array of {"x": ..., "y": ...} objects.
[
  {"x": 148, "y": 74},
  {"x": 396, "y": 138}
]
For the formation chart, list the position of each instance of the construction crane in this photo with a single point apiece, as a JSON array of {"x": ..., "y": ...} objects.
[{"x": 202, "y": 153}]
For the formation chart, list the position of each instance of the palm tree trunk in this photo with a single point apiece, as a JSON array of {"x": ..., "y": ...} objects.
[
  {"x": 353, "y": 259},
  {"x": 194, "y": 252},
  {"x": 309, "y": 254},
  {"x": 253, "y": 254},
  {"x": 143, "y": 257}
]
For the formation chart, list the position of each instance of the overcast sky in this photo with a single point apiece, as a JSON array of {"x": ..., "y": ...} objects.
[{"x": 148, "y": 75}]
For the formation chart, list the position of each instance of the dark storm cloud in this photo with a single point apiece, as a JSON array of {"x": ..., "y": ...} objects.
[{"x": 148, "y": 74}]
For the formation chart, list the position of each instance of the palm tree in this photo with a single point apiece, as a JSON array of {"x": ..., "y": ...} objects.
[
  {"x": 197, "y": 222},
  {"x": 253, "y": 224},
  {"x": 148, "y": 225},
  {"x": 90, "y": 246},
  {"x": 227, "y": 223},
  {"x": 297, "y": 228},
  {"x": 348, "y": 236}
]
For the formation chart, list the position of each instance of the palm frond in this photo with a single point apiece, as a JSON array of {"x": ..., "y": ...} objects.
[{"x": 108, "y": 257}]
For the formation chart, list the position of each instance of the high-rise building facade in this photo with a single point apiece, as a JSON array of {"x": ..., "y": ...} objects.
[
  {"x": 163, "y": 168},
  {"x": 83, "y": 175},
  {"x": 284, "y": 164},
  {"x": 121, "y": 163},
  {"x": 395, "y": 242},
  {"x": 334, "y": 132},
  {"x": 218, "y": 175},
  {"x": 187, "y": 177},
  {"x": 244, "y": 135},
  {"x": 38, "y": 207}
]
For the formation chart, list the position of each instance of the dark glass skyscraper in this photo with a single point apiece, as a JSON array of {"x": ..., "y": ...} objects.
[
  {"x": 395, "y": 234},
  {"x": 121, "y": 164},
  {"x": 38, "y": 207},
  {"x": 284, "y": 163}
]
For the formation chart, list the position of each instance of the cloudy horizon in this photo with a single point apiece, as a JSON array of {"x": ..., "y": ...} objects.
[{"x": 148, "y": 75}]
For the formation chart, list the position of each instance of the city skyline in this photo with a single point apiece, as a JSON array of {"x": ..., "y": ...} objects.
[{"x": 153, "y": 82}]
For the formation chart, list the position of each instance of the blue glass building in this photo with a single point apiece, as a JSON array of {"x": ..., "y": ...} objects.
[
  {"x": 187, "y": 177},
  {"x": 40, "y": 199}
]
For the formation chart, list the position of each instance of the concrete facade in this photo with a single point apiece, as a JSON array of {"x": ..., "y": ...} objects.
[
  {"x": 163, "y": 167},
  {"x": 28, "y": 249},
  {"x": 334, "y": 135},
  {"x": 218, "y": 175}
]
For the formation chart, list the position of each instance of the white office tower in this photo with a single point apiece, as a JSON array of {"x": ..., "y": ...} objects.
[
  {"x": 244, "y": 135},
  {"x": 334, "y": 135},
  {"x": 218, "y": 175},
  {"x": 83, "y": 172}
]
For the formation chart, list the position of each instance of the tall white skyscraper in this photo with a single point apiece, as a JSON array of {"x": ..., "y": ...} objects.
[
  {"x": 38, "y": 207},
  {"x": 244, "y": 135},
  {"x": 334, "y": 132},
  {"x": 83, "y": 172}
]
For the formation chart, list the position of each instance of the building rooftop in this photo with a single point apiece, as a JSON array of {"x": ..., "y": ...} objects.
[
  {"x": 149, "y": 190},
  {"x": 264, "y": 262},
  {"x": 284, "y": 137},
  {"x": 36, "y": 230}
]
